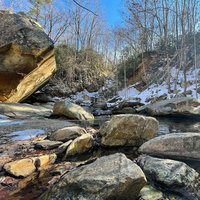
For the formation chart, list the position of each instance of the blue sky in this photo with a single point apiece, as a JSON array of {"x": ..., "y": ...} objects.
[{"x": 112, "y": 11}]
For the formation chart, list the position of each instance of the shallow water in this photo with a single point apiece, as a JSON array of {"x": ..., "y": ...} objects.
[
  {"x": 26, "y": 134},
  {"x": 8, "y": 122}
]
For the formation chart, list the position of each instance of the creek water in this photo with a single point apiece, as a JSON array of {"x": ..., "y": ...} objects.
[{"x": 36, "y": 186}]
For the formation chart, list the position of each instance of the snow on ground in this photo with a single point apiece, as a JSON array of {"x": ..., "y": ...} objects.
[
  {"x": 155, "y": 90},
  {"x": 132, "y": 94}
]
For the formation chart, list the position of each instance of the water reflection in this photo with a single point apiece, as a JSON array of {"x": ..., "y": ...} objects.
[{"x": 26, "y": 134}]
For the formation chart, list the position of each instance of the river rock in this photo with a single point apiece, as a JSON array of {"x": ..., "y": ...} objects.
[
  {"x": 171, "y": 175},
  {"x": 27, "y": 58},
  {"x": 109, "y": 177},
  {"x": 187, "y": 106},
  {"x": 67, "y": 133},
  {"x": 25, "y": 167},
  {"x": 128, "y": 130},
  {"x": 47, "y": 144},
  {"x": 72, "y": 111},
  {"x": 150, "y": 193},
  {"x": 175, "y": 145},
  {"x": 63, "y": 147},
  {"x": 43, "y": 161},
  {"x": 80, "y": 145},
  {"x": 20, "y": 168}
]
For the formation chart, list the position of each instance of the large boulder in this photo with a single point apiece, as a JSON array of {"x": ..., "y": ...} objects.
[
  {"x": 72, "y": 111},
  {"x": 171, "y": 175},
  {"x": 109, "y": 177},
  {"x": 26, "y": 57},
  {"x": 175, "y": 145},
  {"x": 186, "y": 106},
  {"x": 128, "y": 130}
]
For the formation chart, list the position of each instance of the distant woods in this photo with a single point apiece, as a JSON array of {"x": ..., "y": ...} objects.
[
  {"x": 82, "y": 40},
  {"x": 166, "y": 26}
]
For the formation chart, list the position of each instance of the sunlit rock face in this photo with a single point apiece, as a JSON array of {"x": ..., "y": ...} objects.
[{"x": 26, "y": 57}]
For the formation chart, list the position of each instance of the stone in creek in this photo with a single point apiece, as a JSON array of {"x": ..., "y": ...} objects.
[
  {"x": 21, "y": 168},
  {"x": 176, "y": 145},
  {"x": 67, "y": 133},
  {"x": 25, "y": 167},
  {"x": 43, "y": 161},
  {"x": 79, "y": 145},
  {"x": 47, "y": 144},
  {"x": 63, "y": 147},
  {"x": 128, "y": 130},
  {"x": 171, "y": 175},
  {"x": 109, "y": 177},
  {"x": 72, "y": 111}
]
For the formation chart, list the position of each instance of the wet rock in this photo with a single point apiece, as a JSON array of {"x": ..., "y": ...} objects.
[
  {"x": 17, "y": 110},
  {"x": 126, "y": 107},
  {"x": 176, "y": 145},
  {"x": 128, "y": 130},
  {"x": 67, "y": 133},
  {"x": 178, "y": 106},
  {"x": 43, "y": 161},
  {"x": 47, "y": 144},
  {"x": 171, "y": 175},
  {"x": 20, "y": 168},
  {"x": 72, "y": 111},
  {"x": 63, "y": 147},
  {"x": 61, "y": 168},
  {"x": 80, "y": 145},
  {"x": 27, "y": 58},
  {"x": 150, "y": 193},
  {"x": 109, "y": 177}
]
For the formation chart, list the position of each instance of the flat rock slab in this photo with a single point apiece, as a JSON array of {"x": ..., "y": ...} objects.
[
  {"x": 22, "y": 110},
  {"x": 47, "y": 144},
  {"x": 109, "y": 177},
  {"x": 19, "y": 168},
  {"x": 186, "y": 106},
  {"x": 175, "y": 145},
  {"x": 25, "y": 167},
  {"x": 72, "y": 111}
]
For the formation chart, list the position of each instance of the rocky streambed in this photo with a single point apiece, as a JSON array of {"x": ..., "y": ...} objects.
[{"x": 57, "y": 152}]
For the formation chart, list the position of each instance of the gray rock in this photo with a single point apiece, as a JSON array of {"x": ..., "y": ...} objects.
[
  {"x": 80, "y": 145},
  {"x": 72, "y": 111},
  {"x": 175, "y": 145},
  {"x": 22, "y": 110},
  {"x": 150, "y": 193},
  {"x": 171, "y": 175},
  {"x": 63, "y": 147},
  {"x": 128, "y": 130},
  {"x": 177, "y": 106},
  {"x": 67, "y": 133},
  {"x": 109, "y": 177},
  {"x": 47, "y": 144}
]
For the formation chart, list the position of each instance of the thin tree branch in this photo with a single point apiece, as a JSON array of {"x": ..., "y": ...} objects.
[{"x": 84, "y": 7}]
